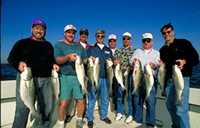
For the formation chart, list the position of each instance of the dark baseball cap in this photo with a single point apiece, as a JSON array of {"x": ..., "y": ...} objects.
[
  {"x": 84, "y": 31},
  {"x": 39, "y": 22}
]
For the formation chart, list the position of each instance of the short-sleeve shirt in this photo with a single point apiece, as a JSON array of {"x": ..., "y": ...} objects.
[{"x": 62, "y": 49}]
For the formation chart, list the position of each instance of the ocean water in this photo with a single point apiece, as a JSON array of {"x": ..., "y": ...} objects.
[{"x": 9, "y": 73}]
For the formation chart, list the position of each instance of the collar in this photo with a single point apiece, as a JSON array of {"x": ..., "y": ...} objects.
[
  {"x": 87, "y": 45},
  {"x": 35, "y": 40},
  {"x": 170, "y": 42}
]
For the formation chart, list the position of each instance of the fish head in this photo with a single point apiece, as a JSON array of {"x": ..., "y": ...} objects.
[
  {"x": 90, "y": 62},
  {"x": 97, "y": 61},
  {"x": 109, "y": 63}
]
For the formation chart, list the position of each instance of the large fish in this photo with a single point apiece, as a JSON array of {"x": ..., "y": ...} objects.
[
  {"x": 149, "y": 80},
  {"x": 126, "y": 81},
  {"x": 55, "y": 84},
  {"x": 118, "y": 75},
  {"x": 90, "y": 72},
  {"x": 80, "y": 71},
  {"x": 137, "y": 76},
  {"x": 27, "y": 92},
  {"x": 162, "y": 78},
  {"x": 109, "y": 71},
  {"x": 178, "y": 81},
  {"x": 96, "y": 71}
]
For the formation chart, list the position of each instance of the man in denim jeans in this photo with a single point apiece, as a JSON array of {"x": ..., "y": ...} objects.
[{"x": 181, "y": 52}]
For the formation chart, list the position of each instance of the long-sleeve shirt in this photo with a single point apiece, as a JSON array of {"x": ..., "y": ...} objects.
[
  {"x": 103, "y": 55},
  {"x": 123, "y": 55},
  {"x": 152, "y": 56},
  {"x": 179, "y": 49},
  {"x": 37, "y": 55}
]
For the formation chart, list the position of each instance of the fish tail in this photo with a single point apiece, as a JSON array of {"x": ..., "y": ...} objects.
[
  {"x": 178, "y": 102},
  {"x": 123, "y": 88},
  {"x": 134, "y": 93},
  {"x": 84, "y": 91},
  {"x": 147, "y": 98},
  {"x": 34, "y": 115},
  {"x": 93, "y": 88}
]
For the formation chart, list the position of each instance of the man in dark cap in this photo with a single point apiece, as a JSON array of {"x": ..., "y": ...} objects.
[{"x": 38, "y": 54}]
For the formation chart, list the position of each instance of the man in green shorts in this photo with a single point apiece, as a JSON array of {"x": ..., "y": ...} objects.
[{"x": 65, "y": 53}]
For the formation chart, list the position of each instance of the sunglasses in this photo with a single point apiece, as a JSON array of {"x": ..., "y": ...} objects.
[
  {"x": 98, "y": 36},
  {"x": 84, "y": 33},
  {"x": 164, "y": 33},
  {"x": 146, "y": 40},
  {"x": 126, "y": 38},
  {"x": 112, "y": 40}
]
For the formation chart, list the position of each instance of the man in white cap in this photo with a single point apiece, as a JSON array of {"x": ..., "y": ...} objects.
[
  {"x": 146, "y": 55},
  {"x": 122, "y": 56},
  {"x": 112, "y": 41},
  {"x": 66, "y": 53}
]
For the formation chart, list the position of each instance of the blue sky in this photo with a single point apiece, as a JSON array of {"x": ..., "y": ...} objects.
[{"x": 113, "y": 16}]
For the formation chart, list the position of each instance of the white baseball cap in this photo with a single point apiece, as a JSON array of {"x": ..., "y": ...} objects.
[
  {"x": 112, "y": 36},
  {"x": 69, "y": 27},
  {"x": 147, "y": 35},
  {"x": 127, "y": 34}
]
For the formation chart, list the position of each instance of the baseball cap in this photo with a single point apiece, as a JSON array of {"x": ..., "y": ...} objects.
[
  {"x": 100, "y": 32},
  {"x": 39, "y": 22},
  {"x": 147, "y": 35},
  {"x": 112, "y": 36},
  {"x": 84, "y": 30},
  {"x": 127, "y": 34},
  {"x": 69, "y": 27}
]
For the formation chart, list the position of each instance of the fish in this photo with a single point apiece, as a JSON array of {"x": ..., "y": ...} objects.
[
  {"x": 55, "y": 84},
  {"x": 27, "y": 92},
  {"x": 178, "y": 82},
  {"x": 80, "y": 72},
  {"x": 118, "y": 75},
  {"x": 137, "y": 76},
  {"x": 110, "y": 75},
  {"x": 162, "y": 78},
  {"x": 126, "y": 81},
  {"x": 96, "y": 71},
  {"x": 149, "y": 81},
  {"x": 90, "y": 72}
]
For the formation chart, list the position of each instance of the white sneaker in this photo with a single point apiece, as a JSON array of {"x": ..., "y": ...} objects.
[
  {"x": 118, "y": 117},
  {"x": 134, "y": 124},
  {"x": 129, "y": 119},
  {"x": 59, "y": 125}
]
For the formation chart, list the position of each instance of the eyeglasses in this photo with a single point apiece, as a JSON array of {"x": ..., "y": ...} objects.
[
  {"x": 126, "y": 38},
  {"x": 38, "y": 28},
  {"x": 98, "y": 36},
  {"x": 164, "y": 33},
  {"x": 146, "y": 40},
  {"x": 84, "y": 33},
  {"x": 112, "y": 40}
]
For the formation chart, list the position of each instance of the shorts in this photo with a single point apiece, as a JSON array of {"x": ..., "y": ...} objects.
[{"x": 69, "y": 84}]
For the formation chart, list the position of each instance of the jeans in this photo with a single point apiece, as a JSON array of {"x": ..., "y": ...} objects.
[
  {"x": 138, "y": 101},
  {"x": 179, "y": 114},
  {"x": 103, "y": 88},
  {"x": 121, "y": 97},
  {"x": 44, "y": 98}
]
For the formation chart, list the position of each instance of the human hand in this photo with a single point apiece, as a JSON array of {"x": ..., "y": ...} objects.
[
  {"x": 116, "y": 62},
  {"x": 56, "y": 67},
  {"x": 21, "y": 66},
  {"x": 134, "y": 60},
  {"x": 181, "y": 63},
  {"x": 72, "y": 56}
]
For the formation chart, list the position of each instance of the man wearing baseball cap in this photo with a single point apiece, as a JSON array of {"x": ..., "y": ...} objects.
[
  {"x": 122, "y": 57},
  {"x": 37, "y": 53},
  {"x": 65, "y": 53},
  {"x": 146, "y": 55}
]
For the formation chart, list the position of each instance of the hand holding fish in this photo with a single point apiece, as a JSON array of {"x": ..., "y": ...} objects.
[
  {"x": 134, "y": 60},
  {"x": 72, "y": 56},
  {"x": 116, "y": 62},
  {"x": 93, "y": 58},
  {"x": 56, "y": 67},
  {"x": 153, "y": 66},
  {"x": 181, "y": 63},
  {"x": 21, "y": 66}
]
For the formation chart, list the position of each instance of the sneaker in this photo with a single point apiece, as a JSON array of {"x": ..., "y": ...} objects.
[
  {"x": 129, "y": 119},
  {"x": 80, "y": 124},
  {"x": 59, "y": 125},
  {"x": 118, "y": 117},
  {"x": 134, "y": 124}
]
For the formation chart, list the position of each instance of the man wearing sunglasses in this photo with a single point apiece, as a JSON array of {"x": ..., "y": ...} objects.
[
  {"x": 122, "y": 56},
  {"x": 181, "y": 52},
  {"x": 104, "y": 53},
  {"x": 146, "y": 55}
]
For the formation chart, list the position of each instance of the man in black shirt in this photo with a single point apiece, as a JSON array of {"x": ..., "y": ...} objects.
[
  {"x": 37, "y": 53},
  {"x": 181, "y": 52}
]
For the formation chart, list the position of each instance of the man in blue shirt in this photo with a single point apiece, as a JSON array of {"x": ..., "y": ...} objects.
[
  {"x": 103, "y": 52},
  {"x": 146, "y": 55}
]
